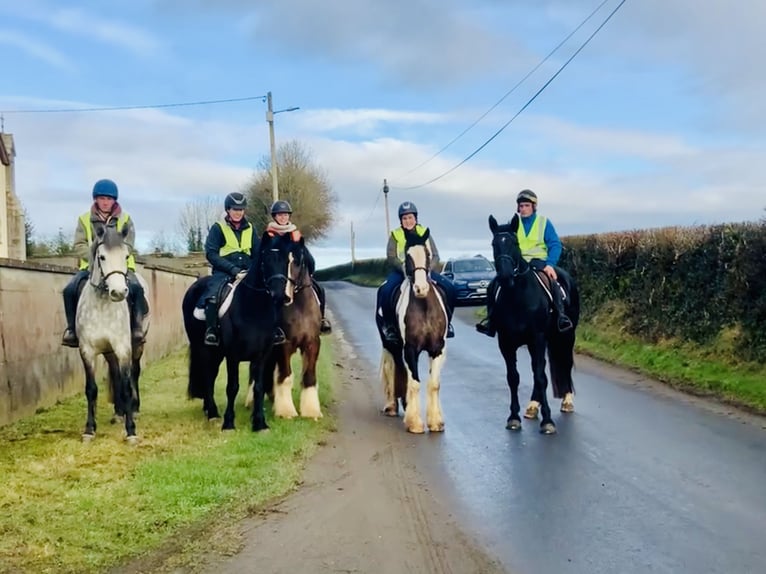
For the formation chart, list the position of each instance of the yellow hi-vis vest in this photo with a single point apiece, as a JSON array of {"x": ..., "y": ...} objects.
[
  {"x": 401, "y": 240},
  {"x": 231, "y": 245},
  {"x": 532, "y": 245},
  {"x": 88, "y": 226}
]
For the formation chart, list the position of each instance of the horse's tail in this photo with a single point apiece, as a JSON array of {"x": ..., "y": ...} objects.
[
  {"x": 561, "y": 359},
  {"x": 195, "y": 331}
]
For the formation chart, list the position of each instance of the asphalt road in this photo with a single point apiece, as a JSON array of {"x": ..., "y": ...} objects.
[{"x": 639, "y": 479}]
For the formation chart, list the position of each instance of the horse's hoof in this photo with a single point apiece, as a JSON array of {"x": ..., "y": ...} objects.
[
  {"x": 88, "y": 437},
  {"x": 416, "y": 429},
  {"x": 532, "y": 410},
  {"x": 548, "y": 428},
  {"x": 436, "y": 428},
  {"x": 390, "y": 411},
  {"x": 567, "y": 404},
  {"x": 132, "y": 440},
  {"x": 513, "y": 424}
]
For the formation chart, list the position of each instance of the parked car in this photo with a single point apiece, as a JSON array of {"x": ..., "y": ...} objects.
[{"x": 471, "y": 276}]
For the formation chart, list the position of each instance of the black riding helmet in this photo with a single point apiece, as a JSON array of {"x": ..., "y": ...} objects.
[
  {"x": 408, "y": 207},
  {"x": 235, "y": 200},
  {"x": 280, "y": 206}
]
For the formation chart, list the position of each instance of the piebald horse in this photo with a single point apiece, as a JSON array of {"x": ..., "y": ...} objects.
[
  {"x": 103, "y": 328},
  {"x": 422, "y": 319}
]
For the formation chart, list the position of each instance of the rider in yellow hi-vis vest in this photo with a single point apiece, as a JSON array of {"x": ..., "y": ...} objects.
[
  {"x": 541, "y": 246},
  {"x": 230, "y": 247},
  {"x": 281, "y": 212},
  {"x": 105, "y": 212},
  {"x": 408, "y": 218}
]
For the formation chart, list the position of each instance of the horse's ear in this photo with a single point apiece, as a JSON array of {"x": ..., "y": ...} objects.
[
  {"x": 426, "y": 234},
  {"x": 125, "y": 230},
  {"x": 100, "y": 231},
  {"x": 515, "y": 222},
  {"x": 492, "y": 224}
]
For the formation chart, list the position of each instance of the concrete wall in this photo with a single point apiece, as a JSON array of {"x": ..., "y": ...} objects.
[{"x": 35, "y": 370}]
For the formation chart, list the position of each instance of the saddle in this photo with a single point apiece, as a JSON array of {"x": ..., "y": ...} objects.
[
  {"x": 225, "y": 296},
  {"x": 545, "y": 283}
]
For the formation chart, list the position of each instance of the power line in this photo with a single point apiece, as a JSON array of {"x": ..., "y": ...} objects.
[
  {"x": 133, "y": 107},
  {"x": 513, "y": 89},
  {"x": 524, "y": 107}
]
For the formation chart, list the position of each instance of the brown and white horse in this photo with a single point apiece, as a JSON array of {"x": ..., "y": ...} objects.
[{"x": 422, "y": 318}]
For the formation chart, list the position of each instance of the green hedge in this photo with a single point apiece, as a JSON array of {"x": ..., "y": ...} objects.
[
  {"x": 366, "y": 268},
  {"x": 688, "y": 283}
]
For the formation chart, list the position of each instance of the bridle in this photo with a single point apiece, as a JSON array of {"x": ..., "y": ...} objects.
[
  {"x": 101, "y": 285},
  {"x": 519, "y": 265}
]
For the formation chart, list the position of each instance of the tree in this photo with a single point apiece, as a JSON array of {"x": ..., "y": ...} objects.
[
  {"x": 62, "y": 244},
  {"x": 29, "y": 232},
  {"x": 196, "y": 218},
  {"x": 163, "y": 244},
  {"x": 302, "y": 183}
]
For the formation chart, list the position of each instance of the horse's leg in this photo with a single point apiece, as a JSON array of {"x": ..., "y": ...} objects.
[
  {"x": 561, "y": 359},
  {"x": 434, "y": 415},
  {"x": 136, "y": 375},
  {"x": 391, "y": 407},
  {"x": 413, "y": 421},
  {"x": 127, "y": 393},
  {"x": 114, "y": 375},
  {"x": 91, "y": 390},
  {"x": 232, "y": 388},
  {"x": 310, "y": 407},
  {"x": 258, "y": 416},
  {"x": 284, "y": 407},
  {"x": 508, "y": 350},
  {"x": 537, "y": 348}
]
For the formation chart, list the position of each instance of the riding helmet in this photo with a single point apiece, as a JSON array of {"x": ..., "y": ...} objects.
[
  {"x": 527, "y": 195},
  {"x": 407, "y": 207},
  {"x": 235, "y": 200},
  {"x": 105, "y": 188},
  {"x": 281, "y": 206}
]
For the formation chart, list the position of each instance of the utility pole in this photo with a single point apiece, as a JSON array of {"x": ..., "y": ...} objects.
[
  {"x": 272, "y": 145},
  {"x": 353, "y": 243},
  {"x": 385, "y": 201}
]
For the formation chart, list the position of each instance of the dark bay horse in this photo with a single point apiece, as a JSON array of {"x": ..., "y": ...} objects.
[
  {"x": 301, "y": 322},
  {"x": 524, "y": 315},
  {"x": 422, "y": 317},
  {"x": 247, "y": 328},
  {"x": 103, "y": 328}
]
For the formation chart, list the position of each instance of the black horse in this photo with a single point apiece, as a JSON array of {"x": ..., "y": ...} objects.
[
  {"x": 246, "y": 331},
  {"x": 525, "y": 316}
]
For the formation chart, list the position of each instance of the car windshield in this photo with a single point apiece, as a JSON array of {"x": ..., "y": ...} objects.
[{"x": 472, "y": 266}]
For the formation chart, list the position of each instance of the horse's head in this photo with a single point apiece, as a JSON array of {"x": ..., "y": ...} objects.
[
  {"x": 109, "y": 262},
  {"x": 417, "y": 261},
  {"x": 505, "y": 249},
  {"x": 297, "y": 270},
  {"x": 274, "y": 257}
]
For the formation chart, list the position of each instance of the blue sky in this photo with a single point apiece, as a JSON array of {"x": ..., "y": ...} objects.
[{"x": 658, "y": 121}]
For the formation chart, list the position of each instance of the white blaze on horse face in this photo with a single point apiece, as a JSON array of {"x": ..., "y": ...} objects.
[
  {"x": 113, "y": 264},
  {"x": 292, "y": 275},
  {"x": 420, "y": 259}
]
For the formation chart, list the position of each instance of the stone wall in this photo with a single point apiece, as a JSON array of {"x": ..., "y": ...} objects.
[{"x": 35, "y": 370}]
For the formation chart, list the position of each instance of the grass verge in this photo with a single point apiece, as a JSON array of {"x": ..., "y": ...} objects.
[{"x": 74, "y": 507}]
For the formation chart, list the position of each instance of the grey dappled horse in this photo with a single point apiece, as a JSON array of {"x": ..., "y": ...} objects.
[{"x": 103, "y": 328}]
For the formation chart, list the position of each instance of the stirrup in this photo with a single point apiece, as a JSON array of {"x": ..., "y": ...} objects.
[
  {"x": 450, "y": 331},
  {"x": 211, "y": 338},
  {"x": 69, "y": 339},
  {"x": 390, "y": 335},
  {"x": 485, "y": 328},
  {"x": 325, "y": 327},
  {"x": 278, "y": 337},
  {"x": 564, "y": 323}
]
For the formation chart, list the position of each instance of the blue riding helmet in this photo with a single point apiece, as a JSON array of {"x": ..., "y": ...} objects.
[
  {"x": 105, "y": 188},
  {"x": 407, "y": 207}
]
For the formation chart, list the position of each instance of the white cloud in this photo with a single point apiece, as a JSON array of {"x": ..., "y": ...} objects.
[{"x": 36, "y": 49}]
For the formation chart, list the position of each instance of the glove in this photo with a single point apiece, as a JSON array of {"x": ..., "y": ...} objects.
[{"x": 241, "y": 275}]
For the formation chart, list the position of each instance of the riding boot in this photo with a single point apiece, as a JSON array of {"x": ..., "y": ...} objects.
[
  {"x": 138, "y": 309},
  {"x": 71, "y": 295},
  {"x": 563, "y": 323},
  {"x": 278, "y": 336},
  {"x": 325, "y": 327},
  {"x": 390, "y": 332},
  {"x": 211, "y": 322},
  {"x": 487, "y": 325}
]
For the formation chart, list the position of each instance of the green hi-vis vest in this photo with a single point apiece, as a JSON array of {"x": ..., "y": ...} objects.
[
  {"x": 532, "y": 245},
  {"x": 88, "y": 226},
  {"x": 231, "y": 246},
  {"x": 401, "y": 240}
]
